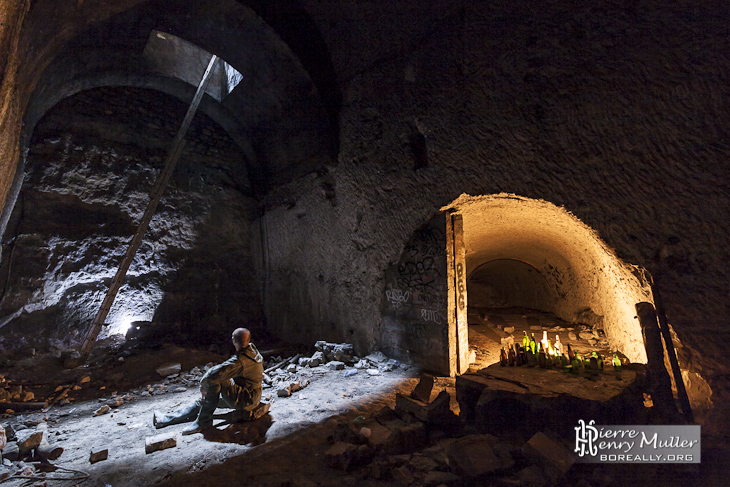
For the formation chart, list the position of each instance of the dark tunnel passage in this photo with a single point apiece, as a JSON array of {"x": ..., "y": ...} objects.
[{"x": 508, "y": 283}]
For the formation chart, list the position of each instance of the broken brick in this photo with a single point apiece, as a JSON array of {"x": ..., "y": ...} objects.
[
  {"x": 335, "y": 365},
  {"x": 102, "y": 410},
  {"x": 97, "y": 455},
  {"x": 160, "y": 442}
]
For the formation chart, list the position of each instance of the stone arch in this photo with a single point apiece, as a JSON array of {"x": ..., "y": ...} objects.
[{"x": 586, "y": 279}]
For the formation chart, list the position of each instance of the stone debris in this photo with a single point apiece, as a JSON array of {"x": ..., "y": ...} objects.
[
  {"x": 28, "y": 439},
  {"x": 335, "y": 365},
  {"x": 341, "y": 455},
  {"x": 160, "y": 442},
  {"x": 422, "y": 392},
  {"x": 548, "y": 453},
  {"x": 98, "y": 455},
  {"x": 437, "y": 411},
  {"x": 168, "y": 369},
  {"x": 373, "y": 372},
  {"x": 342, "y": 352},
  {"x": 377, "y": 357},
  {"x": 477, "y": 455},
  {"x": 102, "y": 410},
  {"x": 421, "y": 443}
]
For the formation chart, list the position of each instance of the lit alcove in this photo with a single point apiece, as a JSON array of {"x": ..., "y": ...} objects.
[{"x": 523, "y": 253}]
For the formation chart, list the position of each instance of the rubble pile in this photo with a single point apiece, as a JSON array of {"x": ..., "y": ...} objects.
[
  {"x": 25, "y": 449},
  {"x": 287, "y": 376},
  {"x": 423, "y": 443},
  {"x": 12, "y": 392}
]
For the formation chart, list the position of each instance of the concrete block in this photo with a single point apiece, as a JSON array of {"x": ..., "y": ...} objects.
[
  {"x": 28, "y": 439},
  {"x": 543, "y": 450},
  {"x": 284, "y": 391},
  {"x": 422, "y": 392},
  {"x": 317, "y": 359},
  {"x": 435, "y": 412},
  {"x": 97, "y": 455},
  {"x": 291, "y": 368},
  {"x": 160, "y": 442},
  {"x": 335, "y": 365},
  {"x": 169, "y": 369},
  {"x": 305, "y": 362}
]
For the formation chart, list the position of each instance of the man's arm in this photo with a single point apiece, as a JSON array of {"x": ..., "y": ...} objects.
[{"x": 222, "y": 373}]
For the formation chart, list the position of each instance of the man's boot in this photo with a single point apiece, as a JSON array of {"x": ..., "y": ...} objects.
[
  {"x": 184, "y": 414},
  {"x": 205, "y": 417}
]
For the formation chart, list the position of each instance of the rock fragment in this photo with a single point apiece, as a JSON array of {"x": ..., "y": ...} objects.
[
  {"x": 98, "y": 455},
  {"x": 160, "y": 442}
]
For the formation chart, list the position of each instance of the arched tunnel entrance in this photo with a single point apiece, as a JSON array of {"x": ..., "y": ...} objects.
[{"x": 504, "y": 264}]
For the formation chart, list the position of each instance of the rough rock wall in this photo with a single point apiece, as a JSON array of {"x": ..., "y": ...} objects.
[
  {"x": 93, "y": 160},
  {"x": 616, "y": 111}
]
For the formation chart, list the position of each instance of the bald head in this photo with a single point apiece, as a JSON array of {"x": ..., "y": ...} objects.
[{"x": 241, "y": 338}]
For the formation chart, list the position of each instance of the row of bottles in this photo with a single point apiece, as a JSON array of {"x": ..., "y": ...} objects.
[{"x": 545, "y": 354}]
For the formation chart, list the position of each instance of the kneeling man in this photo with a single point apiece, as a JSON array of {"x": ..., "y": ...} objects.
[{"x": 236, "y": 383}]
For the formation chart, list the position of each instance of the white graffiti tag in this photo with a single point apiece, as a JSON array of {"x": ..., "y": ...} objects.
[{"x": 397, "y": 297}]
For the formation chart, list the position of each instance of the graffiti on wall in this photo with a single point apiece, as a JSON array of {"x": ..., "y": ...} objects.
[{"x": 416, "y": 294}]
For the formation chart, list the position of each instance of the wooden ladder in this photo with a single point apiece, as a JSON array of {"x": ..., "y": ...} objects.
[{"x": 155, "y": 196}]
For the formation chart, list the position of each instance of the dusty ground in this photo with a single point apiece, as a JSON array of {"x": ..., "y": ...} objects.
[
  {"x": 329, "y": 396},
  {"x": 284, "y": 448}
]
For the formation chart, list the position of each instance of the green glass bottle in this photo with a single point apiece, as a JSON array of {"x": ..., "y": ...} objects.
[
  {"x": 541, "y": 356},
  {"x": 525, "y": 340},
  {"x": 502, "y": 357},
  {"x": 533, "y": 345},
  {"x": 616, "y": 363},
  {"x": 575, "y": 366}
]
